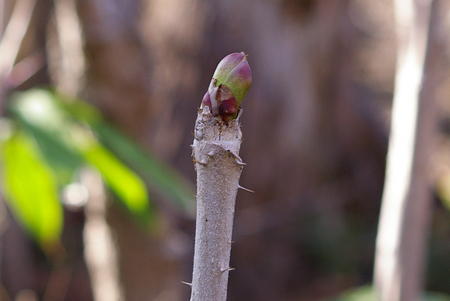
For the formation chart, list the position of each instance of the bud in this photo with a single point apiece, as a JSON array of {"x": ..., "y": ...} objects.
[
  {"x": 230, "y": 83},
  {"x": 228, "y": 104}
]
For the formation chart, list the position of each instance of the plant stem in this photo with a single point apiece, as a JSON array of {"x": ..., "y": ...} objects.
[{"x": 218, "y": 165}]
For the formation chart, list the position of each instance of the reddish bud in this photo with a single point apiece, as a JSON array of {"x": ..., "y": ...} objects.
[
  {"x": 239, "y": 79},
  {"x": 206, "y": 101},
  {"x": 228, "y": 109},
  {"x": 226, "y": 65},
  {"x": 230, "y": 83}
]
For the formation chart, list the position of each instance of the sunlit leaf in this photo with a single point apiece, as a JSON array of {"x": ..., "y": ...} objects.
[
  {"x": 50, "y": 128},
  {"x": 39, "y": 108},
  {"x": 160, "y": 176},
  {"x": 122, "y": 181},
  {"x": 30, "y": 189},
  {"x": 52, "y": 120},
  {"x": 60, "y": 156},
  {"x": 67, "y": 143},
  {"x": 79, "y": 109}
]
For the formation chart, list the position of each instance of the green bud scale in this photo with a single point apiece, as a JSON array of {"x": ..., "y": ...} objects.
[{"x": 230, "y": 83}]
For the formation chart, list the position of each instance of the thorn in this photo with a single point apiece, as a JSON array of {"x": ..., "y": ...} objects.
[
  {"x": 201, "y": 163},
  {"x": 187, "y": 283},
  {"x": 228, "y": 269},
  {"x": 239, "y": 161},
  {"x": 246, "y": 189}
]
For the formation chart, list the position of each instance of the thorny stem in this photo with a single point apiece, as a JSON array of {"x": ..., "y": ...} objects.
[{"x": 218, "y": 165}]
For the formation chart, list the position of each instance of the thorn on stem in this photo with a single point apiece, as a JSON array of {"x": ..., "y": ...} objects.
[
  {"x": 246, "y": 189},
  {"x": 227, "y": 269},
  {"x": 239, "y": 162},
  {"x": 201, "y": 163},
  {"x": 187, "y": 283}
]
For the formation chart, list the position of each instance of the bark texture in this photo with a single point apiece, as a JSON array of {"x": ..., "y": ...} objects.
[{"x": 218, "y": 165}]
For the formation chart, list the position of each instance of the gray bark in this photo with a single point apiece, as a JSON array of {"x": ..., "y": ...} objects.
[{"x": 218, "y": 165}]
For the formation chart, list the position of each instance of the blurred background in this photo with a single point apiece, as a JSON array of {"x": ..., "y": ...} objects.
[{"x": 122, "y": 81}]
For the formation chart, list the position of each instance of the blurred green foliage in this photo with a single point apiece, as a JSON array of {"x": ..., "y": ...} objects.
[
  {"x": 365, "y": 293},
  {"x": 30, "y": 188},
  {"x": 50, "y": 138}
]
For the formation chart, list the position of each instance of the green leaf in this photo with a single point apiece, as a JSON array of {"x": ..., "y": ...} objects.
[
  {"x": 31, "y": 190},
  {"x": 366, "y": 293},
  {"x": 361, "y": 293},
  {"x": 67, "y": 144},
  {"x": 122, "y": 181},
  {"x": 63, "y": 158},
  {"x": 60, "y": 127},
  {"x": 38, "y": 107},
  {"x": 79, "y": 109},
  {"x": 160, "y": 176},
  {"x": 50, "y": 127}
]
